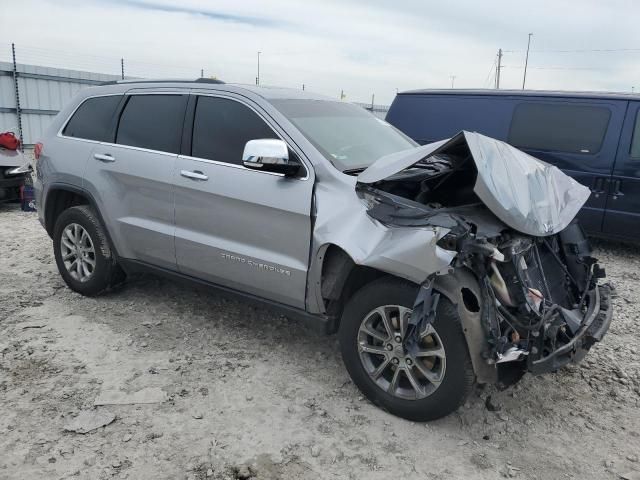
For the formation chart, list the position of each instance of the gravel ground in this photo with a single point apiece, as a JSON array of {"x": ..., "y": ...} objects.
[{"x": 199, "y": 386}]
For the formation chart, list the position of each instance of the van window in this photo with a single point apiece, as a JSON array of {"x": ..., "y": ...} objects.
[
  {"x": 92, "y": 119},
  {"x": 635, "y": 142},
  {"x": 559, "y": 127},
  {"x": 222, "y": 127},
  {"x": 153, "y": 122}
]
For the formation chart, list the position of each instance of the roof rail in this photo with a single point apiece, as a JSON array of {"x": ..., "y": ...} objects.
[
  {"x": 208, "y": 80},
  {"x": 173, "y": 80}
]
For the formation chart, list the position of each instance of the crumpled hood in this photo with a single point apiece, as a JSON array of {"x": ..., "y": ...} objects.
[{"x": 527, "y": 194}]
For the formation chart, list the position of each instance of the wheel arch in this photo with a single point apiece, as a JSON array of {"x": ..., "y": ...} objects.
[
  {"x": 60, "y": 197},
  {"x": 339, "y": 278}
]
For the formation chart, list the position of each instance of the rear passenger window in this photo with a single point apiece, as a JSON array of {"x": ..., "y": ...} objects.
[
  {"x": 222, "y": 127},
  {"x": 559, "y": 127},
  {"x": 635, "y": 142},
  {"x": 153, "y": 122},
  {"x": 92, "y": 119}
]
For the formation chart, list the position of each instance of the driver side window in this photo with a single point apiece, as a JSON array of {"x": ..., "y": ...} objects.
[{"x": 222, "y": 127}]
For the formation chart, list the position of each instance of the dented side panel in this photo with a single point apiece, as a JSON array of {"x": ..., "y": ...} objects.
[{"x": 342, "y": 220}]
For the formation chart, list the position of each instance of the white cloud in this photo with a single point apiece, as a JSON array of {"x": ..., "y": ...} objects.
[{"x": 363, "y": 48}]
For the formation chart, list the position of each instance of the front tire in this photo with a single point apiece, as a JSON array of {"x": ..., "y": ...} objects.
[
  {"x": 82, "y": 252},
  {"x": 422, "y": 385}
]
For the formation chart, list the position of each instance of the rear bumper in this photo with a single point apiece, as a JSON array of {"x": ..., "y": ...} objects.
[{"x": 594, "y": 326}]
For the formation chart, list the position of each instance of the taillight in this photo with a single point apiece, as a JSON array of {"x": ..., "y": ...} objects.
[{"x": 37, "y": 150}]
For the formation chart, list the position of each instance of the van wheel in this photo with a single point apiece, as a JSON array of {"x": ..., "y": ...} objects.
[
  {"x": 82, "y": 253},
  {"x": 421, "y": 385}
]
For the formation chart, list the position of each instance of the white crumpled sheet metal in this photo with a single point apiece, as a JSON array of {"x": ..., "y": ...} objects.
[{"x": 527, "y": 194}]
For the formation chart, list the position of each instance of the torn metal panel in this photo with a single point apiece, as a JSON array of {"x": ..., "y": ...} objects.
[
  {"x": 475, "y": 333},
  {"x": 406, "y": 252},
  {"x": 395, "y": 162},
  {"x": 526, "y": 194}
]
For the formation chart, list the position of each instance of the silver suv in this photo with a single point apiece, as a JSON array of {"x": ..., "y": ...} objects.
[{"x": 438, "y": 265}]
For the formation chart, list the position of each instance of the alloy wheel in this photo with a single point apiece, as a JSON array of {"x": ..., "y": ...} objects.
[
  {"x": 78, "y": 252},
  {"x": 408, "y": 375}
]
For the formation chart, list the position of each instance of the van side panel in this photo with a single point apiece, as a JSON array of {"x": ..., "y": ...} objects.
[
  {"x": 591, "y": 169},
  {"x": 429, "y": 118},
  {"x": 622, "y": 217}
]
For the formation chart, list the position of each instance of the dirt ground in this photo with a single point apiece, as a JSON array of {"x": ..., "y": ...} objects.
[{"x": 206, "y": 387}]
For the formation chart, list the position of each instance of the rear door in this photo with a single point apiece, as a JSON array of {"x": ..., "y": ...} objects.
[
  {"x": 622, "y": 217},
  {"x": 240, "y": 228},
  {"x": 131, "y": 177},
  {"x": 578, "y": 136}
]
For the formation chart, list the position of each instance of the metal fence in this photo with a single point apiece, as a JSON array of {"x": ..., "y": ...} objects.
[
  {"x": 31, "y": 95},
  {"x": 379, "y": 111}
]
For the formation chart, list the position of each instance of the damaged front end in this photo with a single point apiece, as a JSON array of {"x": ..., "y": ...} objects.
[{"x": 523, "y": 277}]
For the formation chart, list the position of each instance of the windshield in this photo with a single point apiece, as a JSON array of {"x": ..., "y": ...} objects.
[{"x": 347, "y": 135}]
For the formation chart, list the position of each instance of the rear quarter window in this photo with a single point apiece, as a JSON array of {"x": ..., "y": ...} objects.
[
  {"x": 92, "y": 119},
  {"x": 559, "y": 127}
]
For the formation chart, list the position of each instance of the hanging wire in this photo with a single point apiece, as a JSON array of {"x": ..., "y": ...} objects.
[{"x": 487, "y": 81}]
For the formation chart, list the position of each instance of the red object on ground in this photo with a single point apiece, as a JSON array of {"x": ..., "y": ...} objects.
[{"x": 9, "y": 141}]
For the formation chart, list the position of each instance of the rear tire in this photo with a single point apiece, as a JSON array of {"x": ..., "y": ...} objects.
[
  {"x": 451, "y": 371},
  {"x": 82, "y": 252}
]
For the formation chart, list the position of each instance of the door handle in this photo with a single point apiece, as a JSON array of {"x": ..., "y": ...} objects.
[
  {"x": 195, "y": 174},
  {"x": 598, "y": 185},
  {"x": 104, "y": 157},
  {"x": 615, "y": 190}
]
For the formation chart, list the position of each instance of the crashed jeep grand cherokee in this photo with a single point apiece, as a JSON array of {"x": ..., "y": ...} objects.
[{"x": 439, "y": 266}]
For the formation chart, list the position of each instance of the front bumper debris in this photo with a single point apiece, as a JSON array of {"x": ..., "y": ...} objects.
[{"x": 594, "y": 326}]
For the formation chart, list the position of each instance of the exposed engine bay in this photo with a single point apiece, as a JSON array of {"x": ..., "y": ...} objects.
[{"x": 537, "y": 295}]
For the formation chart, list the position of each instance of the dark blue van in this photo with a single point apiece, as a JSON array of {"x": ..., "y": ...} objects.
[{"x": 594, "y": 137}]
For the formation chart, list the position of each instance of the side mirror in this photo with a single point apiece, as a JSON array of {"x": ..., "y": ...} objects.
[{"x": 269, "y": 155}]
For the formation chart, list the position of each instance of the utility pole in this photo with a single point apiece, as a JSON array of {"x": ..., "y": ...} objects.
[
  {"x": 526, "y": 61},
  {"x": 17, "y": 94},
  {"x": 498, "y": 68},
  {"x": 122, "y": 67},
  {"x": 258, "y": 77},
  {"x": 453, "y": 79}
]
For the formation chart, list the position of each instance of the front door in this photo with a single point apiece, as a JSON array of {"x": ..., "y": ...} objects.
[
  {"x": 622, "y": 217},
  {"x": 240, "y": 228}
]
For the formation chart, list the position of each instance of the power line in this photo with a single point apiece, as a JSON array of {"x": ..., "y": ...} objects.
[
  {"x": 593, "y": 50},
  {"x": 553, "y": 68},
  {"x": 488, "y": 79}
]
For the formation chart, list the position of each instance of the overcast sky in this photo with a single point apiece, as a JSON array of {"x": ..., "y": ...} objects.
[{"x": 361, "y": 47}]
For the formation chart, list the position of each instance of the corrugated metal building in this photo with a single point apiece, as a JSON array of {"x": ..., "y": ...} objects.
[{"x": 42, "y": 92}]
